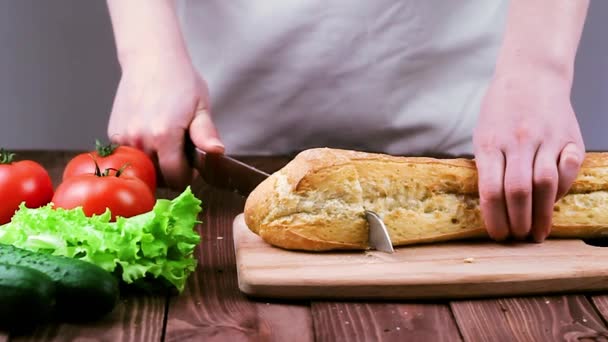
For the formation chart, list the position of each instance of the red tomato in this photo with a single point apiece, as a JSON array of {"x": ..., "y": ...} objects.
[
  {"x": 125, "y": 196},
  {"x": 22, "y": 181},
  {"x": 134, "y": 161}
]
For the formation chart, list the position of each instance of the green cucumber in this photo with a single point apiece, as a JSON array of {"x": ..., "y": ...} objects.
[
  {"x": 27, "y": 297},
  {"x": 84, "y": 291}
]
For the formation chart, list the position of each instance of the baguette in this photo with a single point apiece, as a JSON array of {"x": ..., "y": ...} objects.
[{"x": 317, "y": 201}]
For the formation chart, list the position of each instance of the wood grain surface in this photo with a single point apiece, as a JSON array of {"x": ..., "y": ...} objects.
[
  {"x": 137, "y": 318},
  {"x": 601, "y": 303},
  {"x": 447, "y": 270},
  {"x": 361, "y": 321},
  {"x": 553, "y": 318},
  {"x": 212, "y": 307}
]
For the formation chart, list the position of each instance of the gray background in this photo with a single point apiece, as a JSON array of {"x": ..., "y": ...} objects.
[{"x": 58, "y": 74}]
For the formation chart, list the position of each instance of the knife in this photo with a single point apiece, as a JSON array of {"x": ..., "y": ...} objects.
[
  {"x": 225, "y": 172},
  {"x": 378, "y": 234}
]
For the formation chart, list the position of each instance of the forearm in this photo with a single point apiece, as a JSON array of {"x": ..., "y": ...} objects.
[
  {"x": 542, "y": 35},
  {"x": 144, "y": 28}
]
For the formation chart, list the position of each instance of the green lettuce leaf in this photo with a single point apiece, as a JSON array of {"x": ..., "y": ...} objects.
[{"x": 158, "y": 244}]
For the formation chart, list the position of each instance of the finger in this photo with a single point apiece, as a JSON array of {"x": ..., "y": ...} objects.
[
  {"x": 116, "y": 131},
  {"x": 570, "y": 161},
  {"x": 545, "y": 179},
  {"x": 490, "y": 169},
  {"x": 135, "y": 138},
  {"x": 119, "y": 139},
  {"x": 203, "y": 133},
  {"x": 518, "y": 191},
  {"x": 171, "y": 158}
]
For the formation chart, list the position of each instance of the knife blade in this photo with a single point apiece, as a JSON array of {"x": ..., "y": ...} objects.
[
  {"x": 222, "y": 171},
  {"x": 379, "y": 238},
  {"x": 225, "y": 172}
]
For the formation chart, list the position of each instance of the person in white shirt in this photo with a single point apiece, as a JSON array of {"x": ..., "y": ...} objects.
[{"x": 488, "y": 78}]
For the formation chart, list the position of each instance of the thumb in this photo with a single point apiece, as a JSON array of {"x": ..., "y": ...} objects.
[{"x": 203, "y": 133}]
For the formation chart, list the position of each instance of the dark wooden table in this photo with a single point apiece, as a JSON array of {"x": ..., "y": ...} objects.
[{"x": 213, "y": 309}]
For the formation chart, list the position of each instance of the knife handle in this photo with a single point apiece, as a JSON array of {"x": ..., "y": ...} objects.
[{"x": 189, "y": 150}]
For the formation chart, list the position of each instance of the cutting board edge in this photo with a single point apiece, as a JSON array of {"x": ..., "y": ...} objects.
[
  {"x": 405, "y": 292},
  {"x": 252, "y": 284}
]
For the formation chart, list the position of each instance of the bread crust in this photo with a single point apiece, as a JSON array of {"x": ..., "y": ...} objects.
[{"x": 317, "y": 201}]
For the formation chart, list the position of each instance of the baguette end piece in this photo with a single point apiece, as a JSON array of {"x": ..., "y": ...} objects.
[{"x": 313, "y": 203}]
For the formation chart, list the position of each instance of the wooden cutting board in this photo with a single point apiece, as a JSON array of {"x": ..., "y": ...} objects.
[{"x": 448, "y": 270}]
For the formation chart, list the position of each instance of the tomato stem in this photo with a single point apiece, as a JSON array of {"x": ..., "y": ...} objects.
[
  {"x": 6, "y": 157},
  {"x": 121, "y": 170},
  {"x": 97, "y": 170},
  {"x": 106, "y": 172},
  {"x": 105, "y": 150}
]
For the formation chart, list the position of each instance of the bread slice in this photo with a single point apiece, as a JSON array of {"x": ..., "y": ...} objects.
[{"x": 318, "y": 200}]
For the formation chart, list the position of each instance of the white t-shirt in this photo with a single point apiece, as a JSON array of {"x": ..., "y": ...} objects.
[{"x": 393, "y": 76}]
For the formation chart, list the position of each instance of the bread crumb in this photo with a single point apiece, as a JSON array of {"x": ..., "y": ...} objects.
[
  {"x": 220, "y": 237},
  {"x": 469, "y": 260}
]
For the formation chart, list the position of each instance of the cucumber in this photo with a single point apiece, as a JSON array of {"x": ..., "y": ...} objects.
[
  {"x": 84, "y": 291},
  {"x": 27, "y": 298}
]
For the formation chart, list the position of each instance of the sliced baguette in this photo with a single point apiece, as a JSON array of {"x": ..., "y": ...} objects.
[{"x": 317, "y": 201}]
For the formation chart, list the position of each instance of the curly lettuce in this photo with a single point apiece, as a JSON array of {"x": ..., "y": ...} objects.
[{"x": 158, "y": 244}]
